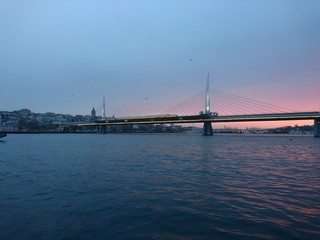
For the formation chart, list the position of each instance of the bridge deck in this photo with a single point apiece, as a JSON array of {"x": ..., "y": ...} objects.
[
  {"x": 204, "y": 118},
  {"x": 269, "y": 117}
]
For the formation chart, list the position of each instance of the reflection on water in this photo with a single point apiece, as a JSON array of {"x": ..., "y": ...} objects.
[{"x": 159, "y": 187}]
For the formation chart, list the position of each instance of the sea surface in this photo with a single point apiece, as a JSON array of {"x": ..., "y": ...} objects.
[{"x": 159, "y": 186}]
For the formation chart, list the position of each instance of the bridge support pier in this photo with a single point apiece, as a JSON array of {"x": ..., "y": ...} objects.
[
  {"x": 316, "y": 127},
  {"x": 207, "y": 129},
  {"x": 102, "y": 129}
]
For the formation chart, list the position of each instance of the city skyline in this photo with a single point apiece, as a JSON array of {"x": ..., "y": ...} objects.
[{"x": 148, "y": 56}]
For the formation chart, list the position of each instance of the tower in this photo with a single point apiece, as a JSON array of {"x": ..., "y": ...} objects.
[
  {"x": 93, "y": 114},
  {"x": 207, "y": 127}
]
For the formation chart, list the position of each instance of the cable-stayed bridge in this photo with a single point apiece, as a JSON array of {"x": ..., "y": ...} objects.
[{"x": 203, "y": 108}]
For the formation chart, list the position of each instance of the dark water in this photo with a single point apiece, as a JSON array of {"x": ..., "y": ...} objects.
[{"x": 159, "y": 187}]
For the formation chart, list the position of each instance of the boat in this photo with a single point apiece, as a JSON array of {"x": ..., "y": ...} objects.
[{"x": 2, "y": 134}]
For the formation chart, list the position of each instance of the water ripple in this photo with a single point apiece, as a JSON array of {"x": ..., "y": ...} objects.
[{"x": 159, "y": 187}]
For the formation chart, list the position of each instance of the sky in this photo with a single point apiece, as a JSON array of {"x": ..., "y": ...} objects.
[{"x": 147, "y": 56}]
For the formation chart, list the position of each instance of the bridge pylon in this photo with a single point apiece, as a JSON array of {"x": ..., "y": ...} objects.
[
  {"x": 316, "y": 128},
  {"x": 207, "y": 126},
  {"x": 207, "y": 129}
]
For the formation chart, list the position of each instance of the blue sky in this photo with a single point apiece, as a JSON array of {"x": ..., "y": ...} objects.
[{"x": 63, "y": 55}]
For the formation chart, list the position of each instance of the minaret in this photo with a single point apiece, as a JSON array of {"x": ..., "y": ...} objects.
[{"x": 104, "y": 108}]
